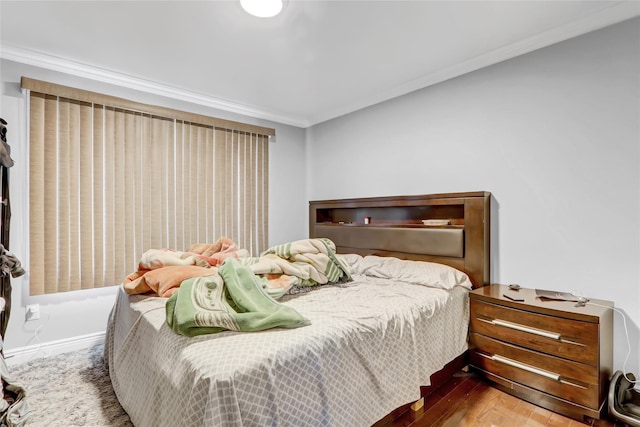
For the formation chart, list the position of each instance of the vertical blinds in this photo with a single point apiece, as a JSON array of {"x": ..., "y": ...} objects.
[{"x": 109, "y": 182}]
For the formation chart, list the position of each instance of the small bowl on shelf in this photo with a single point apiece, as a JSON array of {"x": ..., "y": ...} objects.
[{"x": 436, "y": 222}]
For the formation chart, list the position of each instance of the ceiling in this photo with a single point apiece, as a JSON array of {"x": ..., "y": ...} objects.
[{"x": 315, "y": 61}]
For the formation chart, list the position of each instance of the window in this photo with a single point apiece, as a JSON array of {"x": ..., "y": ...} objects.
[{"x": 110, "y": 178}]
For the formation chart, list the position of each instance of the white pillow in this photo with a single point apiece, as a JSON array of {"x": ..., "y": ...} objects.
[
  {"x": 423, "y": 273},
  {"x": 353, "y": 261}
]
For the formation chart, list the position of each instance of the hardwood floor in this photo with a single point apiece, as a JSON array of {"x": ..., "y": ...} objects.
[{"x": 468, "y": 401}]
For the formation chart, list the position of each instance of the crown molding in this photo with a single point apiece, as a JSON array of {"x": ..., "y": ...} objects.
[
  {"x": 614, "y": 14},
  {"x": 79, "y": 69}
]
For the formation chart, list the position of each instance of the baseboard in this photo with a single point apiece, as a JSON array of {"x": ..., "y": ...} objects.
[{"x": 52, "y": 348}]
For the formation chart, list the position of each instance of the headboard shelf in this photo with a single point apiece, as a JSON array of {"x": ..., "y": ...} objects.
[
  {"x": 393, "y": 226},
  {"x": 389, "y": 224},
  {"x": 410, "y": 213}
]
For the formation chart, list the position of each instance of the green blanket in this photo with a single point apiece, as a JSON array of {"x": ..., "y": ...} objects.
[
  {"x": 302, "y": 263},
  {"x": 232, "y": 300}
]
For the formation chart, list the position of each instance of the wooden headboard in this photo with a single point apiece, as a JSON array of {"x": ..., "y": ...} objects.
[{"x": 393, "y": 226}]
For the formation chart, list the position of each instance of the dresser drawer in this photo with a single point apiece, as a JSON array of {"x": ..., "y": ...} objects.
[
  {"x": 565, "y": 379},
  {"x": 565, "y": 338}
]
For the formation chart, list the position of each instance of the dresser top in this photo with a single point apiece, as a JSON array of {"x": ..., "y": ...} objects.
[{"x": 495, "y": 294}]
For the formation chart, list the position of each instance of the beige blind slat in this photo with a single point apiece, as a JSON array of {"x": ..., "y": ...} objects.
[
  {"x": 252, "y": 193},
  {"x": 129, "y": 204},
  {"x": 73, "y": 206},
  {"x": 201, "y": 171},
  {"x": 263, "y": 178},
  {"x": 209, "y": 190},
  {"x": 109, "y": 195},
  {"x": 192, "y": 183},
  {"x": 119, "y": 195},
  {"x": 181, "y": 242},
  {"x": 50, "y": 199},
  {"x": 170, "y": 186},
  {"x": 245, "y": 141},
  {"x": 37, "y": 201},
  {"x": 98, "y": 194},
  {"x": 62, "y": 177},
  {"x": 219, "y": 180},
  {"x": 85, "y": 181}
]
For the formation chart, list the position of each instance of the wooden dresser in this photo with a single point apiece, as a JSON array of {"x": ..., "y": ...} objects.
[{"x": 550, "y": 353}]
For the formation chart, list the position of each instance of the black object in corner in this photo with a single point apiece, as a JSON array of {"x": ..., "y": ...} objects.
[{"x": 624, "y": 401}]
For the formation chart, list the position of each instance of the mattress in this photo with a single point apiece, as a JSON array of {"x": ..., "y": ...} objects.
[{"x": 370, "y": 346}]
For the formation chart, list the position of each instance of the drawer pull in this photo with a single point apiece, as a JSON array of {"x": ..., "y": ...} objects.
[
  {"x": 524, "y": 367},
  {"x": 523, "y": 328}
]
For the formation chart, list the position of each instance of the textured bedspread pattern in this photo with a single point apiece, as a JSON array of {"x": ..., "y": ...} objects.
[{"x": 371, "y": 344}]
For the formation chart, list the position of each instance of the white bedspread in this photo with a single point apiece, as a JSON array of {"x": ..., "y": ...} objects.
[{"x": 370, "y": 346}]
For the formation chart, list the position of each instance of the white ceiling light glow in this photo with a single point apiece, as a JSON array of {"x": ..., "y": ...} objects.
[{"x": 262, "y": 8}]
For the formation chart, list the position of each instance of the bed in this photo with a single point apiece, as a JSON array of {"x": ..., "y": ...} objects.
[{"x": 373, "y": 344}]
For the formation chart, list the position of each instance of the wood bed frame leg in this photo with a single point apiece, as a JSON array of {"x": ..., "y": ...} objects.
[{"x": 417, "y": 404}]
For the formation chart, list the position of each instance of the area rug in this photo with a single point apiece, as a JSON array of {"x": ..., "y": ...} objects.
[{"x": 71, "y": 389}]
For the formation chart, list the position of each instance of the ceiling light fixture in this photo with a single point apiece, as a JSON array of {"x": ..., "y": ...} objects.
[{"x": 262, "y": 8}]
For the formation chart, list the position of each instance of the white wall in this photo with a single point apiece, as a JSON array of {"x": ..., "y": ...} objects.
[
  {"x": 79, "y": 316},
  {"x": 554, "y": 135}
]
